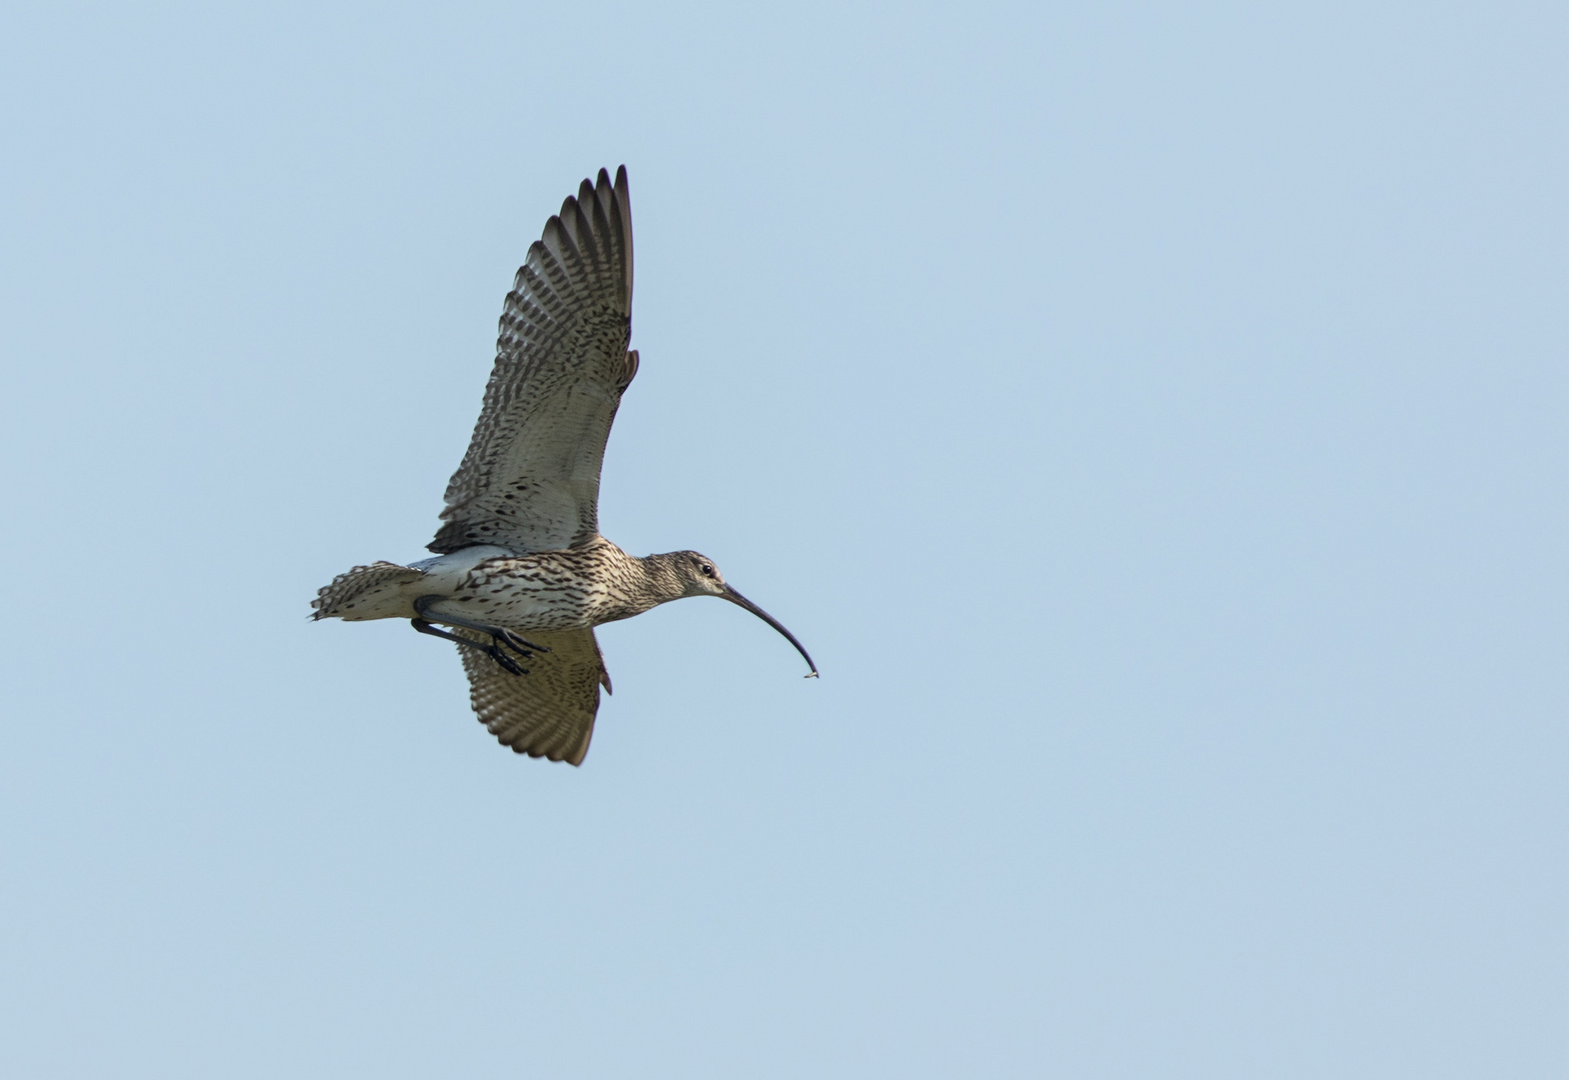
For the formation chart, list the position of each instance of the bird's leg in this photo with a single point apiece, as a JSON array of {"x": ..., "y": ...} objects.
[
  {"x": 493, "y": 651},
  {"x": 499, "y": 635}
]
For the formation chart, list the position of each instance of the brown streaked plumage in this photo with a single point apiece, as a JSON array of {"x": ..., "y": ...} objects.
[{"x": 521, "y": 575}]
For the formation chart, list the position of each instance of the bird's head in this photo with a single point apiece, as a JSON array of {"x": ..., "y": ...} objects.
[{"x": 698, "y": 574}]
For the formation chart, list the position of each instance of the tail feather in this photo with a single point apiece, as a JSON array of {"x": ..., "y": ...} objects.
[{"x": 364, "y": 592}]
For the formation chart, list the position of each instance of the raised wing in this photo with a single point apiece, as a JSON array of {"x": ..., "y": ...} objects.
[
  {"x": 549, "y": 712},
  {"x": 530, "y": 478}
]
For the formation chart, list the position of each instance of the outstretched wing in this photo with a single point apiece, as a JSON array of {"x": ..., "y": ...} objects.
[
  {"x": 530, "y": 478},
  {"x": 550, "y": 711}
]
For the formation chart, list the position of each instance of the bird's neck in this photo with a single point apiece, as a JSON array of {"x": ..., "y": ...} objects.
[{"x": 636, "y": 585}]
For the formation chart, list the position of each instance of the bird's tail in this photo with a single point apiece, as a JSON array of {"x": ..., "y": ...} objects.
[{"x": 376, "y": 591}]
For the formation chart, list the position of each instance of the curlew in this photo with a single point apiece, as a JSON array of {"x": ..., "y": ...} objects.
[{"x": 521, "y": 575}]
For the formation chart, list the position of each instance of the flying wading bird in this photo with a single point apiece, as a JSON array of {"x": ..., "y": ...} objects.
[{"x": 521, "y": 575}]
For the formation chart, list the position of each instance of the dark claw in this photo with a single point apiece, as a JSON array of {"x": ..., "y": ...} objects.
[
  {"x": 518, "y": 643},
  {"x": 506, "y": 662}
]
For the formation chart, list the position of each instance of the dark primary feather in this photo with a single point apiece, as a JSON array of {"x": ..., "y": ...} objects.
[{"x": 530, "y": 478}]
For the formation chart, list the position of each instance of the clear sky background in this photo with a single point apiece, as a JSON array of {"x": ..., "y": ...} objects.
[{"x": 1151, "y": 416}]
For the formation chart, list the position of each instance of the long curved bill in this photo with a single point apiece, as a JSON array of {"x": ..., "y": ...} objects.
[{"x": 741, "y": 601}]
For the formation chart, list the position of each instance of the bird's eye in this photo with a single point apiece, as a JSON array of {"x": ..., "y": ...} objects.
[{"x": 708, "y": 571}]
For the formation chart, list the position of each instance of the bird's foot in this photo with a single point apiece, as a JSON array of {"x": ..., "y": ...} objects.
[
  {"x": 501, "y": 639},
  {"x": 493, "y": 650},
  {"x": 518, "y": 644},
  {"x": 499, "y": 655}
]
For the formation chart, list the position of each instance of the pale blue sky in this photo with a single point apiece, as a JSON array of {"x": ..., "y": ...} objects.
[{"x": 1152, "y": 418}]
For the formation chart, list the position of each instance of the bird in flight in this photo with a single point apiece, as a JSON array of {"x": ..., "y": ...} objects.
[{"x": 521, "y": 575}]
